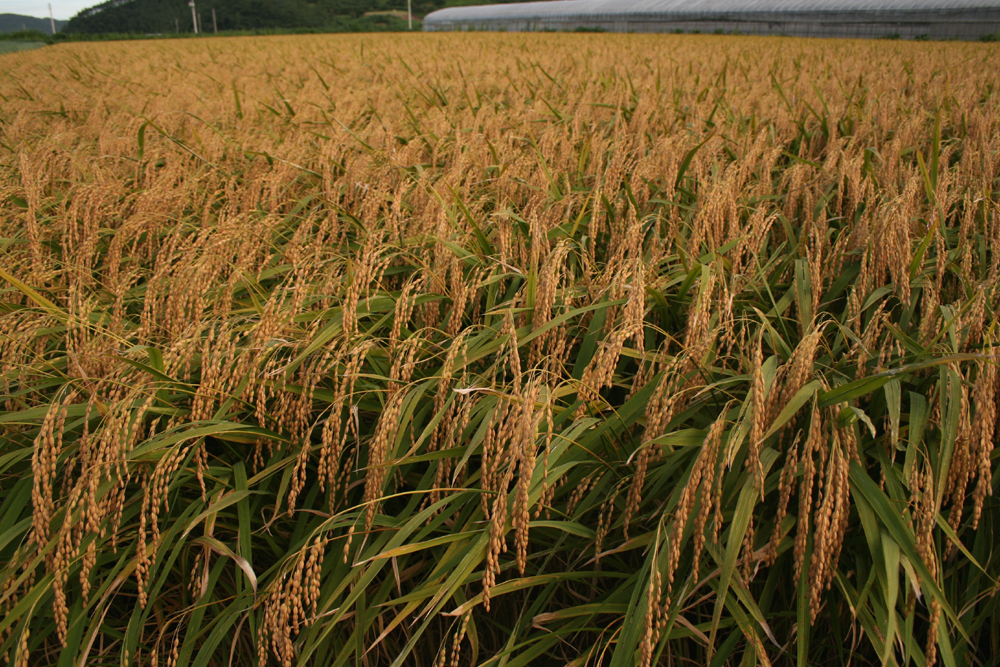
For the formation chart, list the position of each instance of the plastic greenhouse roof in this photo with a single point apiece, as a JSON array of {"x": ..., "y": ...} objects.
[{"x": 570, "y": 8}]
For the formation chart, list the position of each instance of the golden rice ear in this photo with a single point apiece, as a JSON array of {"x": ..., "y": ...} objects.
[
  {"x": 812, "y": 469},
  {"x": 758, "y": 407}
]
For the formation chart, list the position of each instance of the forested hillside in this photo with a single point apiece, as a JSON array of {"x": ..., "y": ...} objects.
[
  {"x": 16, "y": 22},
  {"x": 167, "y": 16}
]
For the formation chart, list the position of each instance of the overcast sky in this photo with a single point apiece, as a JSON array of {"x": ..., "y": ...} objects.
[{"x": 62, "y": 9}]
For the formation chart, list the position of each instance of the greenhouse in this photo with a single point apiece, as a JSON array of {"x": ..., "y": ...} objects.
[{"x": 906, "y": 19}]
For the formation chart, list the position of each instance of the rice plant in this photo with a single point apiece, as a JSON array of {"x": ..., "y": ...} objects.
[{"x": 499, "y": 350}]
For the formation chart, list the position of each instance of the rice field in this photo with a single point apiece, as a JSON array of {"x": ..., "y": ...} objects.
[{"x": 509, "y": 350}]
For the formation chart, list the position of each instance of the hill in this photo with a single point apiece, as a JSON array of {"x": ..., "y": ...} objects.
[
  {"x": 15, "y": 22},
  {"x": 168, "y": 16}
]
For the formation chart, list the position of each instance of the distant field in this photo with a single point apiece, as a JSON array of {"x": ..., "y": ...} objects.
[
  {"x": 499, "y": 349},
  {"x": 10, "y": 47}
]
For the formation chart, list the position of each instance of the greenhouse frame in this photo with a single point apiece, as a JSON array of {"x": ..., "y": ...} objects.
[{"x": 906, "y": 19}]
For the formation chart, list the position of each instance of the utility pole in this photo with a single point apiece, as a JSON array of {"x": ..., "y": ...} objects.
[
  {"x": 194, "y": 17},
  {"x": 177, "y": 25},
  {"x": 409, "y": 12},
  {"x": 215, "y": 26},
  {"x": 52, "y": 19}
]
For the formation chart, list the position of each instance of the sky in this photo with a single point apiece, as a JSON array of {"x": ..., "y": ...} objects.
[{"x": 62, "y": 9}]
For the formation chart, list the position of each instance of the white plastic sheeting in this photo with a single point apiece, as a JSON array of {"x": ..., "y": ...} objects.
[{"x": 935, "y": 19}]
